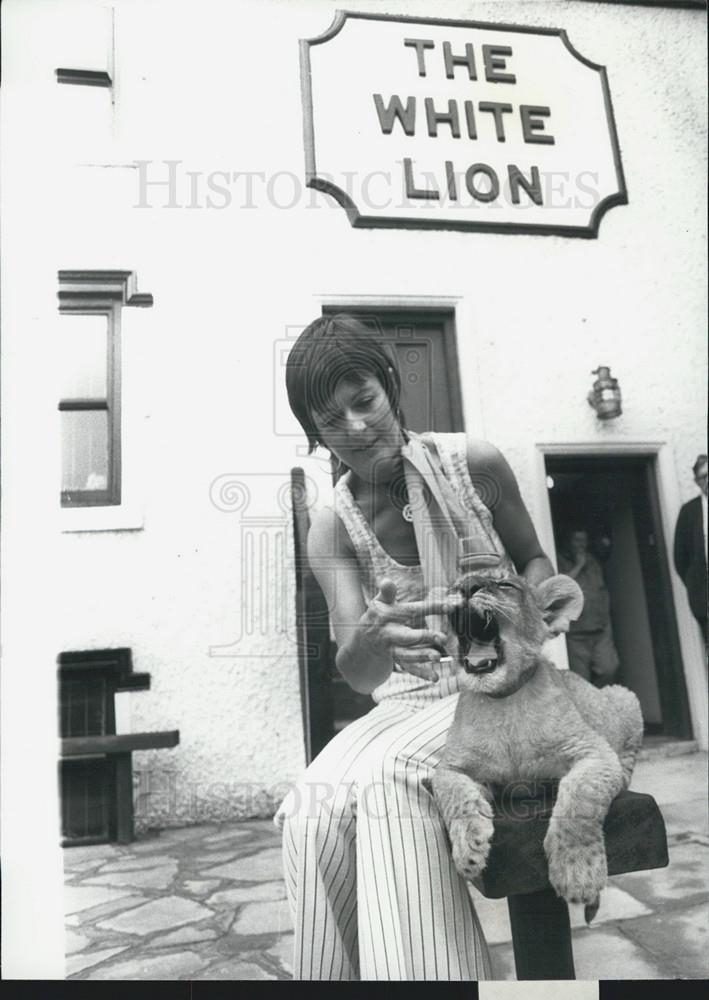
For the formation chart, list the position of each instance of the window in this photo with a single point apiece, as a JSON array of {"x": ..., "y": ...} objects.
[
  {"x": 90, "y": 303},
  {"x": 90, "y": 407}
]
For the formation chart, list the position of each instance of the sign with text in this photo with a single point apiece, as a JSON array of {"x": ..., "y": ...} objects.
[{"x": 425, "y": 123}]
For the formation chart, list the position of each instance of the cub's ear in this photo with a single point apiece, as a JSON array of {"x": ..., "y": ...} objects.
[{"x": 561, "y": 601}]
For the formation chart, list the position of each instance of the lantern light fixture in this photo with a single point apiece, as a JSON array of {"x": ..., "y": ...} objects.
[{"x": 604, "y": 396}]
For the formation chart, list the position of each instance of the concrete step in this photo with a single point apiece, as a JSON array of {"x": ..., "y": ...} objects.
[{"x": 666, "y": 746}]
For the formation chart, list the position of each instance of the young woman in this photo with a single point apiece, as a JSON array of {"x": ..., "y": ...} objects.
[{"x": 370, "y": 881}]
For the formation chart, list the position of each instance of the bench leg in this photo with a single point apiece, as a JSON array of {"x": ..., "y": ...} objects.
[
  {"x": 541, "y": 936},
  {"x": 124, "y": 799}
]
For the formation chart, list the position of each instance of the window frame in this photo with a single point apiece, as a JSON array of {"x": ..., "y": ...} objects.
[
  {"x": 111, "y": 496},
  {"x": 102, "y": 292}
]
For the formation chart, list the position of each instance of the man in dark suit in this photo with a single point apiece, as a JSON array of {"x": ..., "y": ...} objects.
[{"x": 690, "y": 546}]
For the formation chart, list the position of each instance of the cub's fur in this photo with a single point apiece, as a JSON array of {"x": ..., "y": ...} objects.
[{"x": 520, "y": 719}]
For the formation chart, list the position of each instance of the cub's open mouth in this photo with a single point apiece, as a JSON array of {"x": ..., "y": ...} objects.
[
  {"x": 483, "y": 667},
  {"x": 479, "y": 638}
]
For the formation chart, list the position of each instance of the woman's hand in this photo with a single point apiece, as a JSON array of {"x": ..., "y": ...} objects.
[{"x": 400, "y": 631}]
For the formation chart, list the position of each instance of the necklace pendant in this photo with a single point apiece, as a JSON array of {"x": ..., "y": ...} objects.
[{"x": 407, "y": 513}]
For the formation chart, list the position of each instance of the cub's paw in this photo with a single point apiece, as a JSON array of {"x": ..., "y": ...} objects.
[
  {"x": 470, "y": 842},
  {"x": 577, "y": 863}
]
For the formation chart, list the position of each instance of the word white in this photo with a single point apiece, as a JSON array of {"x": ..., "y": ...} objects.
[{"x": 531, "y": 118}]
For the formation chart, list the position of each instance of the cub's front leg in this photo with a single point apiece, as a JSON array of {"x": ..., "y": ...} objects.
[
  {"x": 467, "y": 814},
  {"x": 574, "y": 843}
]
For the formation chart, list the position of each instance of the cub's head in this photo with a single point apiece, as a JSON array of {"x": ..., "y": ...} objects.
[{"x": 501, "y": 625}]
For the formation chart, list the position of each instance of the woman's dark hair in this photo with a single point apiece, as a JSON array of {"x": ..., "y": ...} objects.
[{"x": 330, "y": 349}]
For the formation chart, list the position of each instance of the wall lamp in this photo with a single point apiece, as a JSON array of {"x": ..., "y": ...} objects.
[{"x": 605, "y": 396}]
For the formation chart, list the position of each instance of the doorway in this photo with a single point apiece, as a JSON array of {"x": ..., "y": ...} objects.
[
  {"x": 615, "y": 499},
  {"x": 423, "y": 342}
]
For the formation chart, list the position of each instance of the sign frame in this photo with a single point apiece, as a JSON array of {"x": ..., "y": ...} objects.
[{"x": 361, "y": 221}]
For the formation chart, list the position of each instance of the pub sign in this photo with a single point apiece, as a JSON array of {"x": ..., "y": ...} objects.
[{"x": 427, "y": 123}]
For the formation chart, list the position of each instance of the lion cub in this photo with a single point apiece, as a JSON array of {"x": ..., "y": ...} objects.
[{"x": 520, "y": 719}]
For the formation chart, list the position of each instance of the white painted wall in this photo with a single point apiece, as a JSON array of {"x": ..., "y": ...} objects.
[{"x": 217, "y": 89}]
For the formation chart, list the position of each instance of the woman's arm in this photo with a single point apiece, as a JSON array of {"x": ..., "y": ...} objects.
[
  {"x": 496, "y": 482},
  {"x": 370, "y": 637}
]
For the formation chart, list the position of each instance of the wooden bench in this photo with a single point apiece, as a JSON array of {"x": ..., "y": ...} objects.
[
  {"x": 96, "y": 773},
  {"x": 517, "y": 869}
]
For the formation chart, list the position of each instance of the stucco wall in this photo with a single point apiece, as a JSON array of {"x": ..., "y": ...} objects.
[{"x": 204, "y": 397}]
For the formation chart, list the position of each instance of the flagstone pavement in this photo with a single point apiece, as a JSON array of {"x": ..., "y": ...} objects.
[{"x": 208, "y": 902}]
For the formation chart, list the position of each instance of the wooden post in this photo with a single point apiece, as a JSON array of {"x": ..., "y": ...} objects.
[
  {"x": 517, "y": 868},
  {"x": 124, "y": 799},
  {"x": 541, "y": 936}
]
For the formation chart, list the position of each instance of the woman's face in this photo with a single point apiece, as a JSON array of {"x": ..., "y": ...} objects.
[{"x": 360, "y": 428}]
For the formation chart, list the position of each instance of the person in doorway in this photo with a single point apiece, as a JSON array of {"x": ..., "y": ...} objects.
[
  {"x": 368, "y": 870},
  {"x": 589, "y": 642},
  {"x": 690, "y": 546}
]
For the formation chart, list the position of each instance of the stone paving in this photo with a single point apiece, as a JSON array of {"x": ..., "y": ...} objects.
[{"x": 208, "y": 902}]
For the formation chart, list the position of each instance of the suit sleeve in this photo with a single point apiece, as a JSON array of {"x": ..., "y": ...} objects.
[{"x": 682, "y": 546}]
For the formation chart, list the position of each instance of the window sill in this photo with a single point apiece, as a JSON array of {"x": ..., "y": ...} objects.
[{"x": 116, "y": 518}]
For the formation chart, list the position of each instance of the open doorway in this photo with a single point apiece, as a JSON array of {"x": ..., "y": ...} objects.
[{"x": 615, "y": 499}]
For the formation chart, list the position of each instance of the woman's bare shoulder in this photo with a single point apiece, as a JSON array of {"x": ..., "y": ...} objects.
[
  {"x": 491, "y": 473},
  {"x": 483, "y": 454},
  {"x": 328, "y": 535}
]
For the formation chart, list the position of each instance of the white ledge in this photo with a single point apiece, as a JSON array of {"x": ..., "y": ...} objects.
[{"x": 115, "y": 518}]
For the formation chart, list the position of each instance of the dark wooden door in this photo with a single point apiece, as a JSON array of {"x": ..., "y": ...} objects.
[{"x": 425, "y": 348}]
